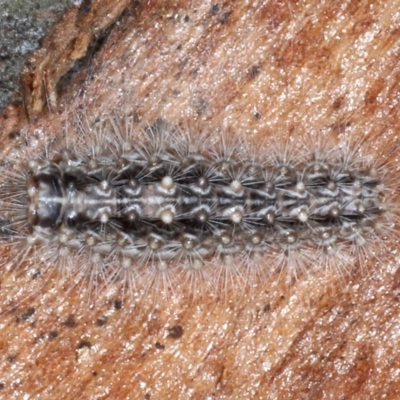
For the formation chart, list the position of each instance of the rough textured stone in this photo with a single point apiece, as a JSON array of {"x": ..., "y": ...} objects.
[
  {"x": 23, "y": 25},
  {"x": 261, "y": 68}
]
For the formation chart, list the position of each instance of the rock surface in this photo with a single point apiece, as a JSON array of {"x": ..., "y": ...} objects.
[{"x": 267, "y": 69}]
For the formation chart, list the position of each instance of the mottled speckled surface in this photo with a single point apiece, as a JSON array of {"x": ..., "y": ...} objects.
[
  {"x": 23, "y": 25},
  {"x": 266, "y": 69}
]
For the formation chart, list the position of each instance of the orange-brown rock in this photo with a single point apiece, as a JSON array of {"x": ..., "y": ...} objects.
[{"x": 262, "y": 68}]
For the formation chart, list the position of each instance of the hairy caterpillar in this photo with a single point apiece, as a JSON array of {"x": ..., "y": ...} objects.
[{"x": 163, "y": 207}]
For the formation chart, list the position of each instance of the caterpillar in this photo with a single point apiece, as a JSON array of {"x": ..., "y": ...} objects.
[{"x": 164, "y": 207}]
